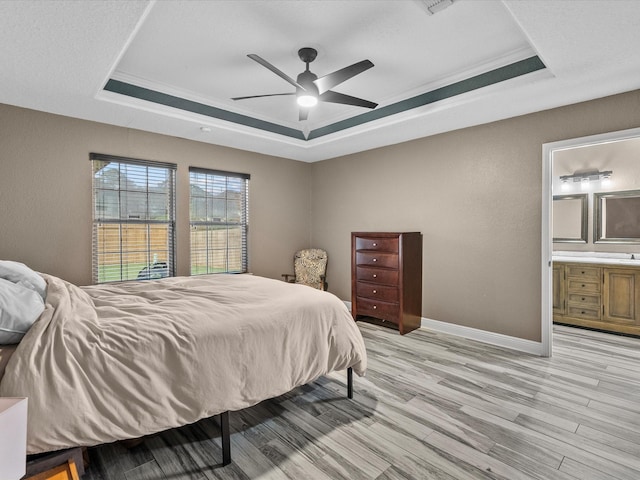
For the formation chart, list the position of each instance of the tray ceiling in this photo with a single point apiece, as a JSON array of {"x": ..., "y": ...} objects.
[{"x": 172, "y": 67}]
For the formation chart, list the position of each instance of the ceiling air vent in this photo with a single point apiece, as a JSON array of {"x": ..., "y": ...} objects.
[{"x": 434, "y": 6}]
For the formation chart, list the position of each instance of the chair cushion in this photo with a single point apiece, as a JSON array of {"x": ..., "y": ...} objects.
[{"x": 310, "y": 266}]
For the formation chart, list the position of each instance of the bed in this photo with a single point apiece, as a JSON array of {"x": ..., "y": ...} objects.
[{"x": 120, "y": 361}]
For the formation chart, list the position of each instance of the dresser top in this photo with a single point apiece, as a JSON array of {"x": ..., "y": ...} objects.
[{"x": 382, "y": 234}]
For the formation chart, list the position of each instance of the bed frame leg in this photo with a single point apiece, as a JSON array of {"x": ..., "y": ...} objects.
[
  {"x": 350, "y": 382},
  {"x": 226, "y": 438}
]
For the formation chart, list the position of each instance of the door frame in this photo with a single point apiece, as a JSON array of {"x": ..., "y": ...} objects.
[{"x": 548, "y": 151}]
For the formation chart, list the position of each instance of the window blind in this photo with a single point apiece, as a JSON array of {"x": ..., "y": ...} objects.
[
  {"x": 219, "y": 221},
  {"x": 133, "y": 218}
]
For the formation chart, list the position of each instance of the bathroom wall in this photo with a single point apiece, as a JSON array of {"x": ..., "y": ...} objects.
[{"x": 623, "y": 158}]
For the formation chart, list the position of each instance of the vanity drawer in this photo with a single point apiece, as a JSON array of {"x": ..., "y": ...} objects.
[
  {"x": 378, "y": 244},
  {"x": 586, "y": 300},
  {"x": 377, "y": 259},
  {"x": 376, "y": 309},
  {"x": 377, "y": 275},
  {"x": 377, "y": 292},
  {"x": 577, "y": 285},
  {"x": 585, "y": 272},
  {"x": 589, "y": 313}
]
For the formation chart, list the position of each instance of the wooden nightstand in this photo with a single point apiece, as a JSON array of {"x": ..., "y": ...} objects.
[
  {"x": 68, "y": 471},
  {"x": 62, "y": 465}
]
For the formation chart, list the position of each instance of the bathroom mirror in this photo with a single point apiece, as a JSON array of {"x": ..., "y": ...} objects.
[
  {"x": 570, "y": 218},
  {"x": 617, "y": 217}
]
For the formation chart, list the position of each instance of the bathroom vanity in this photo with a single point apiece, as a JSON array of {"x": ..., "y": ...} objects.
[{"x": 599, "y": 291}]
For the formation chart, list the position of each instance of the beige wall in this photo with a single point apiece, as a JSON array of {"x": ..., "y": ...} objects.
[
  {"x": 476, "y": 196},
  {"x": 45, "y": 192}
]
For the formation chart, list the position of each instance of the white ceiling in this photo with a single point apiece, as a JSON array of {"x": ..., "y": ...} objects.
[{"x": 58, "y": 56}]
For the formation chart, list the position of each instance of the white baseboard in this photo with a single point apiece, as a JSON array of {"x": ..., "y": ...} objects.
[
  {"x": 505, "y": 341},
  {"x": 498, "y": 339}
]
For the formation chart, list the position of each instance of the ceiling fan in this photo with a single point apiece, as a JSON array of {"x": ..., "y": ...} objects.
[{"x": 310, "y": 89}]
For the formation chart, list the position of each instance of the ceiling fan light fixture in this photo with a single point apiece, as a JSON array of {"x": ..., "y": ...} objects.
[
  {"x": 311, "y": 90},
  {"x": 307, "y": 101}
]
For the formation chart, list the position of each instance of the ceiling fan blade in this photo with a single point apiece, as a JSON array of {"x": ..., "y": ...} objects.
[
  {"x": 330, "y": 80},
  {"x": 335, "y": 97},
  {"x": 304, "y": 113},
  {"x": 275, "y": 70},
  {"x": 258, "y": 96}
]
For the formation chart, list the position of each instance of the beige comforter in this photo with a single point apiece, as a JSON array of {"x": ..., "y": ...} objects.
[{"x": 112, "y": 362}]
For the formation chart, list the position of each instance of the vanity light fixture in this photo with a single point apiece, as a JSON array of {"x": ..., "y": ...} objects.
[{"x": 587, "y": 176}]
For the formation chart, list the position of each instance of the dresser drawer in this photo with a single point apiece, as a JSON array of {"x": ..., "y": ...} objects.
[
  {"x": 586, "y": 300},
  {"x": 585, "y": 272},
  {"x": 590, "y": 313},
  {"x": 577, "y": 285},
  {"x": 382, "y": 310},
  {"x": 377, "y": 275},
  {"x": 378, "y": 244},
  {"x": 377, "y": 259},
  {"x": 377, "y": 292}
]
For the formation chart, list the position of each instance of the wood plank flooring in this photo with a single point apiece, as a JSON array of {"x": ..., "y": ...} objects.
[{"x": 432, "y": 406}]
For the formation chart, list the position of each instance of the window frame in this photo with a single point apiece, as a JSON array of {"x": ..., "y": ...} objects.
[
  {"x": 97, "y": 220},
  {"x": 244, "y": 223}
]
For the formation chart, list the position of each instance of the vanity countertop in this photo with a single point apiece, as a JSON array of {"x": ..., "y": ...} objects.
[{"x": 601, "y": 258}]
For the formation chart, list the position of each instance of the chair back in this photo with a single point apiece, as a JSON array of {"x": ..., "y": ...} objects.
[{"x": 310, "y": 267}]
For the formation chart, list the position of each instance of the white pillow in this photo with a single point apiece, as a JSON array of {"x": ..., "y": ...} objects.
[
  {"x": 17, "y": 272},
  {"x": 20, "y": 307}
]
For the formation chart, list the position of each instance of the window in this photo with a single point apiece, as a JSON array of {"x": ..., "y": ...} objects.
[
  {"x": 133, "y": 219},
  {"x": 218, "y": 210}
]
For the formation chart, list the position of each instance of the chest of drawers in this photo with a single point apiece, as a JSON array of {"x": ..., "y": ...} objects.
[{"x": 386, "y": 278}]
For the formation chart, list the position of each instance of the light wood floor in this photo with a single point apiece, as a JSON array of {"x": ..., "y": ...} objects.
[{"x": 431, "y": 407}]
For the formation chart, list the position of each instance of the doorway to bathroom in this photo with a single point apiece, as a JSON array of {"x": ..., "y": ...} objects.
[{"x": 591, "y": 233}]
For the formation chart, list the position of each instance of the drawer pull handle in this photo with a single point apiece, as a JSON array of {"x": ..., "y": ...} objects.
[
  {"x": 583, "y": 299},
  {"x": 375, "y": 244},
  {"x": 375, "y": 291},
  {"x": 375, "y": 259},
  {"x": 375, "y": 306},
  {"x": 582, "y": 273},
  {"x": 375, "y": 276},
  {"x": 583, "y": 285},
  {"x": 580, "y": 312}
]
